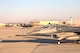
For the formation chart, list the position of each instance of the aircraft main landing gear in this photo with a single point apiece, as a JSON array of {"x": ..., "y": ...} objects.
[
  {"x": 59, "y": 42},
  {"x": 77, "y": 41}
]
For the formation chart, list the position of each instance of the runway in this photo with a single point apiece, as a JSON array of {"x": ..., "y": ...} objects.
[{"x": 15, "y": 40}]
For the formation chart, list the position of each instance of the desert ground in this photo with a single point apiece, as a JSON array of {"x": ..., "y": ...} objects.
[{"x": 17, "y": 40}]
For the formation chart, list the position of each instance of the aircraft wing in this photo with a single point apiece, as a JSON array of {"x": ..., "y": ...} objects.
[{"x": 68, "y": 29}]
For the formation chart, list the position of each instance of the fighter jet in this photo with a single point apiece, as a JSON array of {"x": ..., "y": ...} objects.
[
  {"x": 67, "y": 32},
  {"x": 60, "y": 32}
]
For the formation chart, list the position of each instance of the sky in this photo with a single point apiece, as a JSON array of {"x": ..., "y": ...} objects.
[{"x": 28, "y": 10}]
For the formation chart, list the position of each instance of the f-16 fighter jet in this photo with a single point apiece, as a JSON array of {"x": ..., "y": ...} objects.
[
  {"x": 60, "y": 32},
  {"x": 67, "y": 32}
]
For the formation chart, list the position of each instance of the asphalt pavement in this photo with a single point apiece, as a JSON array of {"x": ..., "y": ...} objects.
[{"x": 19, "y": 42}]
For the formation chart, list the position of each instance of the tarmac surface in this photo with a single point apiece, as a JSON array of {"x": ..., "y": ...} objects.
[{"x": 16, "y": 40}]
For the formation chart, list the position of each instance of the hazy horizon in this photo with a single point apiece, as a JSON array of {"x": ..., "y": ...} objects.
[{"x": 27, "y": 10}]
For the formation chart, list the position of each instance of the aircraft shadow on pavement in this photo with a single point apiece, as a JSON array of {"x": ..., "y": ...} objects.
[
  {"x": 38, "y": 40},
  {"x": 35, "y": 35}
]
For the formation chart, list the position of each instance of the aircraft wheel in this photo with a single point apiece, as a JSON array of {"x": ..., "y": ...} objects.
[
  {"x": 77, "y": 41},
  {"x": 59, "y": 42},
  {"x": 53, "y": 35}
]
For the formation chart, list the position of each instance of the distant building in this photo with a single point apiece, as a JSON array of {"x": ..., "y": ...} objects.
[
  {"x": 65, "y": 23},
  {"x": 35, "y": 23},
  {"x": 38, "y": 23},
  {"x": 2, "y": 24},
  {"x": 48, "y": 22},
  {"x": 12, "y": 24},
  {"x": 77, "y": 22},
  {"x": 71, "y": 20}
]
